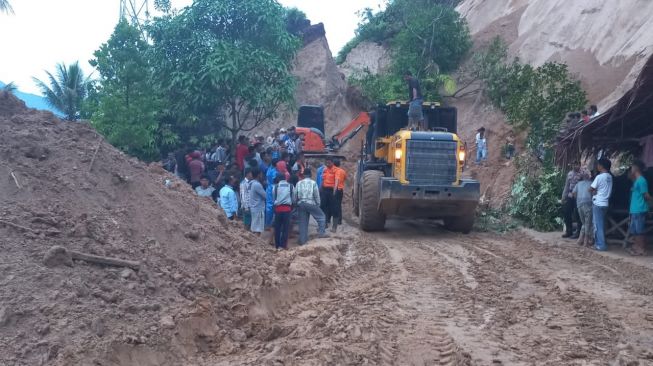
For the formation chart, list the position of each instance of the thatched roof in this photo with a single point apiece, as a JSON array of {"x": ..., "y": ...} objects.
[{"x": 619, "y": 129}]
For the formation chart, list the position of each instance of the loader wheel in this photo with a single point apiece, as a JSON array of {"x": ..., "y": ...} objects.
[
  {"x": 462, "y": 224},
  {"x": 356, "y": 195},
  {"x": 371, "y": 219}
]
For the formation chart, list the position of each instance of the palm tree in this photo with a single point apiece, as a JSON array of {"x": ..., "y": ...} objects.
[
  {"x": 67, "y": 90},
  {"x": 5, "y": 7},
  {"x": 10, "y": 88}
]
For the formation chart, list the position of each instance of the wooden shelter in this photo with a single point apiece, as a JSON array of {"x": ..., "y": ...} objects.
[{"x": 618, "y": 129}]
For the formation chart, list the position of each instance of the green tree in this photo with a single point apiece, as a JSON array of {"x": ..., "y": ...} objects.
[
  {"x": 228, "y": 61},
  {"x": 432, "y": 38},
  {"x": 5, "y": 7},
  {"x": 10, "y": 88},
  {"x": 67, "y": 89},
  {"x": 126, "y": 108},
  {"x": 296, "y": 21}
]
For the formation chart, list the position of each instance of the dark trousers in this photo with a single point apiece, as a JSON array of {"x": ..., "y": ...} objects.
[
  {"x": 570, "y": 214},
  {"x": 331, "y": 205},
  {"x": 281, "y": 229}
]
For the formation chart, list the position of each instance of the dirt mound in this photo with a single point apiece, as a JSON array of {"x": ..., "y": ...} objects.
[{"x": 63, "y": 186}]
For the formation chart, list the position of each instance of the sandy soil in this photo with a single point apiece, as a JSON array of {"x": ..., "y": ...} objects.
[{"x": 419, "y": 295}]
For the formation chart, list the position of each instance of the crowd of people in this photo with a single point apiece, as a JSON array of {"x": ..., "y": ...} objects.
[
  {"x": 586, "y": 197},
  {"x": 584, "y": 116},
  {"x": 266, "y": 183}
]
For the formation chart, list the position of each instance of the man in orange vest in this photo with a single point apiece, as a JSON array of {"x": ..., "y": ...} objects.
[{"x": 333, "y": 186}]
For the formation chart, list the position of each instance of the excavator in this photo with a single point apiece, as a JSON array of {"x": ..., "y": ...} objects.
[
  {"x": 310, "y": 123},
  {"x": 401, "y": 172}
]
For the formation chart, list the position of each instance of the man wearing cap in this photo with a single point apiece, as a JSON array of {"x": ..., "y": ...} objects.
[{"x": 307, "y": 197}]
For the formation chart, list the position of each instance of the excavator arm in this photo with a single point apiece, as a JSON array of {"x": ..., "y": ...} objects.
[{"x": 352, "y": 128}]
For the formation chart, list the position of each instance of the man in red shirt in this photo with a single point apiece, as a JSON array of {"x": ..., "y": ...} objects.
[
  {"x": 242, "y": 149},
  {"x": 196, "y": 168}
]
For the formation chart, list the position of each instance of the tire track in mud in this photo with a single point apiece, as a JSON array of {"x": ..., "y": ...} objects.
[
  {"x": 348, "y": 318},
  {"x": 519, "y": 312}
]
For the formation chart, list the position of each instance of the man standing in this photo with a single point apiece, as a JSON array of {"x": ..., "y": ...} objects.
[
  {"x": 204, "y": 190},
  {"x": 569, "y": 201},
  {"x": 196, "y": 169},
  {"x": 257, "y": 198},
  {"x": 245, "y": 187},
  {"x": 242, "y": 149},
  {"x": 601, "y": 189},
  {"x": 639, "y": 198},
  {"x": 581, "y": 193},
  {"x": 307, "y": 197},
  {"x": 415, "y": 115},
  {"x": 338, "y": 193},
  {"x": 229, "y": 199},
  {"x": 327, "y": 189},
  {"x": 481, "y": 146},
  {"x": 282, "y": 194},
  {"x": 594, "y": 111},
  {"x": 299, "y": 166}
]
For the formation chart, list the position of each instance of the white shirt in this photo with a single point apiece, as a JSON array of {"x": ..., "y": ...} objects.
[
  {"x": 204, "y": 192},
  {"x": 481, "y": 143},
  {"x": 603, "y": 185}
]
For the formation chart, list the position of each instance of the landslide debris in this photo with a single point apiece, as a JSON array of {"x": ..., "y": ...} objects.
[{"x": 174, "y": 278}]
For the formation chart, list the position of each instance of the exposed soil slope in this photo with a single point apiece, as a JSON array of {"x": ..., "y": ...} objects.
[
  {"x": 605, "y": 42},
  {"x": 63, "y": 185}
]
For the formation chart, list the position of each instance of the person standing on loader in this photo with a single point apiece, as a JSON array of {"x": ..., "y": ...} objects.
[{"x": 415, "y": 115}]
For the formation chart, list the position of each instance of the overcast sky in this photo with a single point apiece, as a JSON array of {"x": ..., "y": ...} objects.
[{"x": 44, "y": 32}]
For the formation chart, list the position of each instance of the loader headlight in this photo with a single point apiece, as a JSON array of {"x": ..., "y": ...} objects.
[
  {"x": 461, "y": 156},
  {"x": 398, "y": 154}
]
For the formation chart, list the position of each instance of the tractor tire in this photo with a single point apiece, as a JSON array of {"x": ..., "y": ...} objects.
[
  {"x": 371, "y": 219},
  {"x": 356, "y": 195},
  {"x": 463, "y": 224}
]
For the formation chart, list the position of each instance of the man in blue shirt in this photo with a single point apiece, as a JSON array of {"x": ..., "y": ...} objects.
[
  {"x": 639, "y": 197},
  {"x": 229, "y": 199}
]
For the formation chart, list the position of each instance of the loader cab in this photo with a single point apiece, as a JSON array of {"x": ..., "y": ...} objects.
[
  {"x": 311, "y": 116},
  {"x": 393, "y": 117}
]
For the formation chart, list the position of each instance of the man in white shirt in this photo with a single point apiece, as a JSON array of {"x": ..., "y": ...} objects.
[
  {"x": 601, "y": 189},
  {"x": 204, "y": 190},
  {"x": 594, "y": 111},
  {"x": 481, "y": 146},
  {"x": 307, "y": 197}
]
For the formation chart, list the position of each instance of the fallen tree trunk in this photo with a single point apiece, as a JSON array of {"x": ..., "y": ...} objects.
[
  {"x": 58, "y": 255},
  {"x": 105, "y": 260}
]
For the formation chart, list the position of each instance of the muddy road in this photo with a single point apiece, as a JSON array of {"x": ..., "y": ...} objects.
[{"x": 419, "y": 295}]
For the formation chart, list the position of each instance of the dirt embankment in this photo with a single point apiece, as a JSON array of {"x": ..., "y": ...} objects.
[{"x": 201, "y": 279}]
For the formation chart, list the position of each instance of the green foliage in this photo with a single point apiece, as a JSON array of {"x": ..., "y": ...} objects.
[
  {"x": 227, "y": 59},
  {"x": 381, "y": 88},
  {"x": 296, "y": 21},
  {"x": 67, "y": 89},
  {"x": 534, "y": 98},
  {"x": 426, "y": 36},
  {"x": 433, "y": 38},
  {"x": 496, "y": 221},
  {"x": 5, "y": 7},
  {"x": 126, "y": 108},
  {"x": 10, "y": 88},
  {"x": 535, "y": 198}
]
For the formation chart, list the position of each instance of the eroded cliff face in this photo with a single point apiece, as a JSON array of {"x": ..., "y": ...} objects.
[
  {"x": 604, "y": 42},
  {"x": 319, "y": 82},
  {"x": 367, "y": 56}
]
